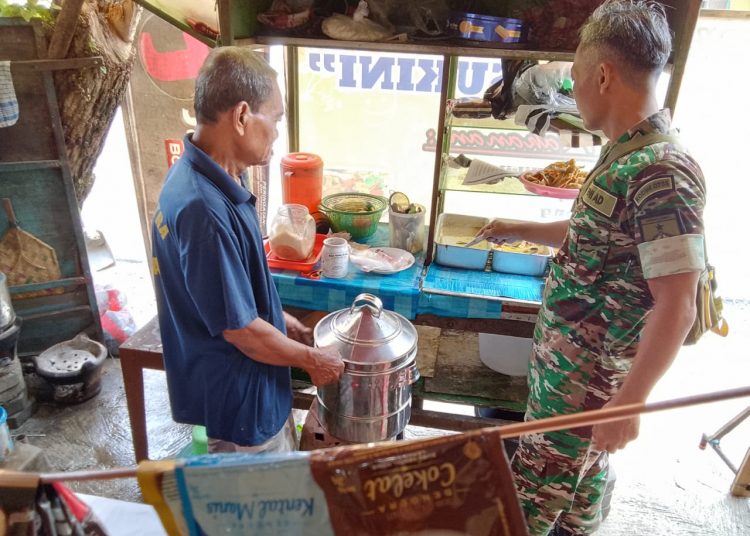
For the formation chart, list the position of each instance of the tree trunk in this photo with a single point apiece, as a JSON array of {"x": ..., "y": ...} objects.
[{"x": 88, "y": 98}]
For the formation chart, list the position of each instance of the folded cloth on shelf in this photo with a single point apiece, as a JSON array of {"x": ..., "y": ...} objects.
[
  {"x": 8, "y": 101},
  {"x": 543, "y": 119}
]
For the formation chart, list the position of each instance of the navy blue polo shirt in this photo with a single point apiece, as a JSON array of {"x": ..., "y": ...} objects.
[{"x": 211, "y": 275}]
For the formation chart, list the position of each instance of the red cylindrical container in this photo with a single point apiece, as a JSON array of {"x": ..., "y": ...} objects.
[{"x": 302, "y": 180}]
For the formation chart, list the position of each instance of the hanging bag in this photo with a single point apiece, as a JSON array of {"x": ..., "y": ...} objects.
[{"x": 709, "y": 308}]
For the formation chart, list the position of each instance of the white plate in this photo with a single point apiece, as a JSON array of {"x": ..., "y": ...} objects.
[{"x": 396, "y": 253}]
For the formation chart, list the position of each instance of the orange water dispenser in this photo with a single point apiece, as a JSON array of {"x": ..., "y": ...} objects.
[{"x": 302, "y": 180}]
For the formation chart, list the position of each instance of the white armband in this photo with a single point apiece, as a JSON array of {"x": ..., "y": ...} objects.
[{"x": 672, "y": 255}]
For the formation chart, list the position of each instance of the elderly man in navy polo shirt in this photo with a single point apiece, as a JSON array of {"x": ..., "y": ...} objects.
[{"x": 226, "y": 351}]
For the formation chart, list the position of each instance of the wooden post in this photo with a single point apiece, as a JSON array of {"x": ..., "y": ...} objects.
[
  {"x": 446, "y": 91},
  {"x": 225, "y": 22},
  {"x": 292, "y": 97},
  {"x": 741, "y": 484},
  {"x": 65, "y": 27}
]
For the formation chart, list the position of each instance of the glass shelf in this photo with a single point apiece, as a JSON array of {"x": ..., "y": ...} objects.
[
  {"x": 443, "y": 47},
  {"x": 489, "y": 123},
  {"x": 452, "y": 180}
]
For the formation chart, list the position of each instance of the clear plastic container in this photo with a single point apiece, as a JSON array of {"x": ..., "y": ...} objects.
[
  {"x": 407, "y": 230},
  {"x": 292, "y": 233}
]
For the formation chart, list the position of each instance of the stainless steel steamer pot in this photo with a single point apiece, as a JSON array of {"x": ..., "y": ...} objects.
[
  {"x": 7, "y": 314},
  {"x": 372, "y": 399}
]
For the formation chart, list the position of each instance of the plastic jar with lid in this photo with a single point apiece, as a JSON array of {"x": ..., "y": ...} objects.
[
  {"x": 292, "y": 233},
  {"x": 302, "y": 180}
]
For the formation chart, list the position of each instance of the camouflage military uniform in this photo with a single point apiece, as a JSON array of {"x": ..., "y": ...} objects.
[{"x": 595, "y": 303}]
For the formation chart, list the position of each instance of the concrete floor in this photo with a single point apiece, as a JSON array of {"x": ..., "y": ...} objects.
[{"x": 665, "y": 484}]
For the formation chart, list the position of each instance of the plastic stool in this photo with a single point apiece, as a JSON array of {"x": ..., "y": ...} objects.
[{"x": 200, "y": 440}]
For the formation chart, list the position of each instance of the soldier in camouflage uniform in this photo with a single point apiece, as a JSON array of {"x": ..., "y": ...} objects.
[{"x": 620, "y": 295}]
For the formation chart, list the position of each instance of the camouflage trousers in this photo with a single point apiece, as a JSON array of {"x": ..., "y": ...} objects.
[
  {"x": 559, "y": 476},
  {"x": 566, "y": 491}
]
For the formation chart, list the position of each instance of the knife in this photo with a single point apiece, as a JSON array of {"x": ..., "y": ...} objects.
[{"x": 474, "y": 241}]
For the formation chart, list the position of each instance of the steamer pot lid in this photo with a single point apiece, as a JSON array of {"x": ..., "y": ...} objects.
[{"x": 366, "y": 333}]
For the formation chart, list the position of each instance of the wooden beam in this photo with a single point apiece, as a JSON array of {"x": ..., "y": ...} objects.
[
  {"x": 446, "y": 91},
  {"x": 292, "y": 98},
  {"x": 741, "y": 484},
  {"x": 685, "y": 36},
  {"x": 725, "y": 13},
  {"x": 225, "y": 22},
  {"x": 58, "y": 65},
  {"x": 441, "y": 47},
  {"x": 12, "y": 167},
  {"x": 65, "y": 27}
]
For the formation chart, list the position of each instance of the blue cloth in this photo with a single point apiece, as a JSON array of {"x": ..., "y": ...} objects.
[
  {"x": 211, "y": 275},
  {"x": 413, "y": 291},
  {"x": 8, "y": 100},
  {"x": 399, "y": 292},
  {"x": 441, "y": 283}
]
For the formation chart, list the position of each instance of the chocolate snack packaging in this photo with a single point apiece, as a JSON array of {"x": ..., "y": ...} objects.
[{"x": 452, "y": 485}]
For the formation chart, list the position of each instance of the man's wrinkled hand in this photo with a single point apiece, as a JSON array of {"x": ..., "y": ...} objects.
[
  {"x": 326, "y": 366},
  {"x": 297, "y": 331}
]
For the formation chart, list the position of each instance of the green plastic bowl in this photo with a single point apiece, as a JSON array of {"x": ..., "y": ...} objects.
[{"x": 356, "y": 214}]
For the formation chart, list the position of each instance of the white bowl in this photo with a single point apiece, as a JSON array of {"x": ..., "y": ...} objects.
[{"x": 505, "y": 354}]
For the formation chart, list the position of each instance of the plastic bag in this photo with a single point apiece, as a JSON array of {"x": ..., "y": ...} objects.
[
  {"x": 500, "y": 94},
  {"x": 109, "y": 299},
  {"x": 117, "y": 326},
  {"x": 117, "y": 322},
  {"x": 376, "y": 260},
  {"x": 549, "y": 84},
  {"x": 358, "y": 28}
]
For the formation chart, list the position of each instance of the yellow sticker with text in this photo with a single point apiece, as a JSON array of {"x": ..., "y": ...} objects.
[{"x": 600, "y": 200}]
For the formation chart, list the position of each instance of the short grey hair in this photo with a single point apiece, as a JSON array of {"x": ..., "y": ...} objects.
[
  {"x": 636, "y": 31},
  {"x": 229, "y": 76}
]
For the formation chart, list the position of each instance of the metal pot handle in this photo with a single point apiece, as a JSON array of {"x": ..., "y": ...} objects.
[{"x": 371, "y": 300}]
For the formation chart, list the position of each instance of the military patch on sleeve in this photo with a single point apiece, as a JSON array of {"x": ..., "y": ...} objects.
[
  {"x": 599, "y": 199},
  {"x": 652, "y": 187},
  {"x": 661, "y": 225}
]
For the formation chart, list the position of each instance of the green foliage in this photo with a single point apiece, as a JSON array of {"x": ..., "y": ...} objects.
[{"x": 27, "y": 11}]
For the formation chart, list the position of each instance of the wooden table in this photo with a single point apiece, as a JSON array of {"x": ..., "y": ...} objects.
[
  {"x": 141, "y": 351},
  {"x": 144, "y": 351}
]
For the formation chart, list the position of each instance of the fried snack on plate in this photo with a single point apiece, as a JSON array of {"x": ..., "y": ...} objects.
[{"x": 559, "y": 175}]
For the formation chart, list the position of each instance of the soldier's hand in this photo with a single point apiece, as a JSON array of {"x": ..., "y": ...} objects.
[
  {"x": 326, "y": 366},
  {"x": 497, "y": 231},
  {"x": 612, "y": 436}
]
